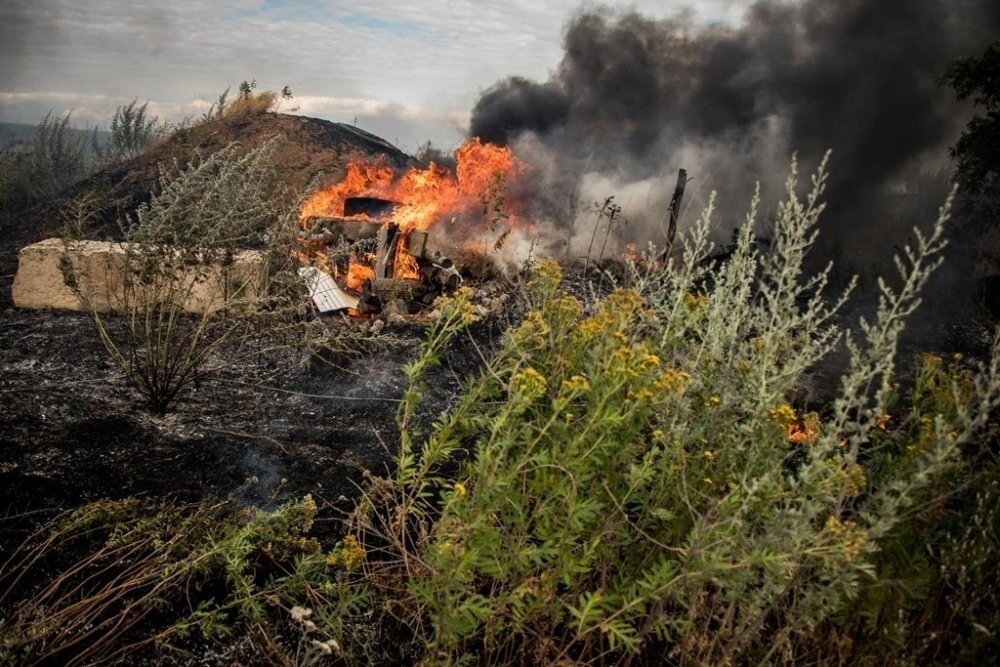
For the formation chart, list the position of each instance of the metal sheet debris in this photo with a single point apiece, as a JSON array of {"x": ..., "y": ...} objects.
[{"x": 326, "y": 295}]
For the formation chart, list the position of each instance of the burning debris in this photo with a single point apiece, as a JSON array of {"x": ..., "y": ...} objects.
[
  {"x": 382, "y": 240},
  {"x": 375, "y": 261}
]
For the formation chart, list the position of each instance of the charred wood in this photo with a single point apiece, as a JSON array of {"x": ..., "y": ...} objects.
[
  {"x": 331, "y": 228},
  {"x": 444, "y": 277},
  {"x": 385, "y": 254},
  {"x": 675, "y": 211},
  {"x": 373, "y": 207},
  {"x": 388, "y": 289}
]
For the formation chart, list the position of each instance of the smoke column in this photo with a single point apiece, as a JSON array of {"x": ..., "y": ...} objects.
[{"x": 635, "y": 98}]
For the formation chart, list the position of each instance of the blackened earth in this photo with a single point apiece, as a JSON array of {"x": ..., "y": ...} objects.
[{"x": 264, "y": 429}]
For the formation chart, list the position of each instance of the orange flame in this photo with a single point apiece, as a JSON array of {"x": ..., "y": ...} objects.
[
  {"x": 357, "y": 274},
  {"x": 422, "y": 197},
  {"x": 425, "y": 196},
  {"x": 806, "y": 432},
  {"x": 405, "y": 264},
  {"x": 361, "y": 180},
  {"x": 631, "y": 253}
]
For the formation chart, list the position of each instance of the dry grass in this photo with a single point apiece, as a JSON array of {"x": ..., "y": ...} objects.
[{"x": 251, "y": 105}]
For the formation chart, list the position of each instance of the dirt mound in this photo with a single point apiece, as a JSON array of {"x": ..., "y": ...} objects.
[{"x": 311, "y": 147}]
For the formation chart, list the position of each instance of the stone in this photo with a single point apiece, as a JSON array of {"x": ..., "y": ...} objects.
[{"x": 98, "y": 268}]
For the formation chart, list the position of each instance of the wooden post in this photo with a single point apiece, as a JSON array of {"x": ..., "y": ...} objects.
[
  {"x": 386, "y": 253},
  {"x": 675, "y": 211}
]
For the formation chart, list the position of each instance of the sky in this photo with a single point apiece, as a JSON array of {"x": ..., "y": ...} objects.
[{"x": 407, "y": 71}]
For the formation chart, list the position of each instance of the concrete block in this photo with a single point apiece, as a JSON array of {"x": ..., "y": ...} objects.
[{"x": 99, "y": 266}]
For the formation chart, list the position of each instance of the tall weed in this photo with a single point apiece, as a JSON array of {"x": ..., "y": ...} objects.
[
  {"x": 55, "y": 159},
  {"x": 184, "y": 245}
]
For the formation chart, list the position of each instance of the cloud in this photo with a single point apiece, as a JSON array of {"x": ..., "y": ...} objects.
[
  {"x": 88, "y": 110},
  {"x": 407, "y": 127},
  {"x": 422, "y": 60}
]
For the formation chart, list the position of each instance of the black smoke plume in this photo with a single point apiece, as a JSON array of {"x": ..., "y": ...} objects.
[{"x": 635, "y": 98}]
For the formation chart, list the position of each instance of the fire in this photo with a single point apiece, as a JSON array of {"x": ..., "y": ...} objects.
[
  {"x": 426, "y": 196},
  {"x": 360, "y": 179},
  {"x": 473, "y": 196},
  {"x": 405, "y": 264},
  {"x": 357, "y": 273},
  {"x": 805, "y": 432},
  {"x": 631, "y": 254}
]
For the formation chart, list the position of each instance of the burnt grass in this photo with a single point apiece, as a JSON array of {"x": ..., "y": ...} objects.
[{"x": 264, "y": 429}]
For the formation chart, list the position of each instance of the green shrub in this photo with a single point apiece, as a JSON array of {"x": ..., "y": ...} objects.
[
  {"x": 183, "y": 245},
  {"x": 638, "y": 482}
]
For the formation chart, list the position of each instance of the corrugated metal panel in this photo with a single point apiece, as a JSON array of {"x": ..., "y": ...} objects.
[{"x": 324, "y": 291}]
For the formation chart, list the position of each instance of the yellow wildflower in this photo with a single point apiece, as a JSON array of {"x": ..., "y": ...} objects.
[
  {"x": 350, "y": 554},
  {"x": 641, "y": 395},
  {"x": 784, "y": 415},
  {"x": 576, "y": 385},
  {"x": 566, "y": 308},
  {"x": 671, "y": 381},
  {"x": 695, "y": 303},
  {"x": 528, "y": 384},
  {"x": 854, "y": 479},
  {"x": 850, "y": 538}
]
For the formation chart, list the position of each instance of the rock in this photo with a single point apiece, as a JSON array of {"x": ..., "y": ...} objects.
[{"x": 98, "y": 266}]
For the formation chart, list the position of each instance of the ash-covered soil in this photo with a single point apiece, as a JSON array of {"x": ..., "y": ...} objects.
[
  {"x": 264, "y": 429},
  {"x": 279, "y": 418}
]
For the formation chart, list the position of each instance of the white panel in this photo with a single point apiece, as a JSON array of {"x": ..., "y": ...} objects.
[{"x": 324, "y": 291}]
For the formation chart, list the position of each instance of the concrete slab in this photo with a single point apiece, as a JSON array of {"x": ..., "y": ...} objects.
[{"x": 98, "y": 267}]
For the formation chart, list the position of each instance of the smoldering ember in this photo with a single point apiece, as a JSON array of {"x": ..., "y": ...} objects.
[{"x": 687, "y": 355}]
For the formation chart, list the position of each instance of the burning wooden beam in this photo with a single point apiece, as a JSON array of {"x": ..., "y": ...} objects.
[{"x": 377, "y": 243}]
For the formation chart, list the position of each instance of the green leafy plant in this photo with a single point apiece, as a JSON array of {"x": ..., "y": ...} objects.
[{"x": 132, "y": 132}]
